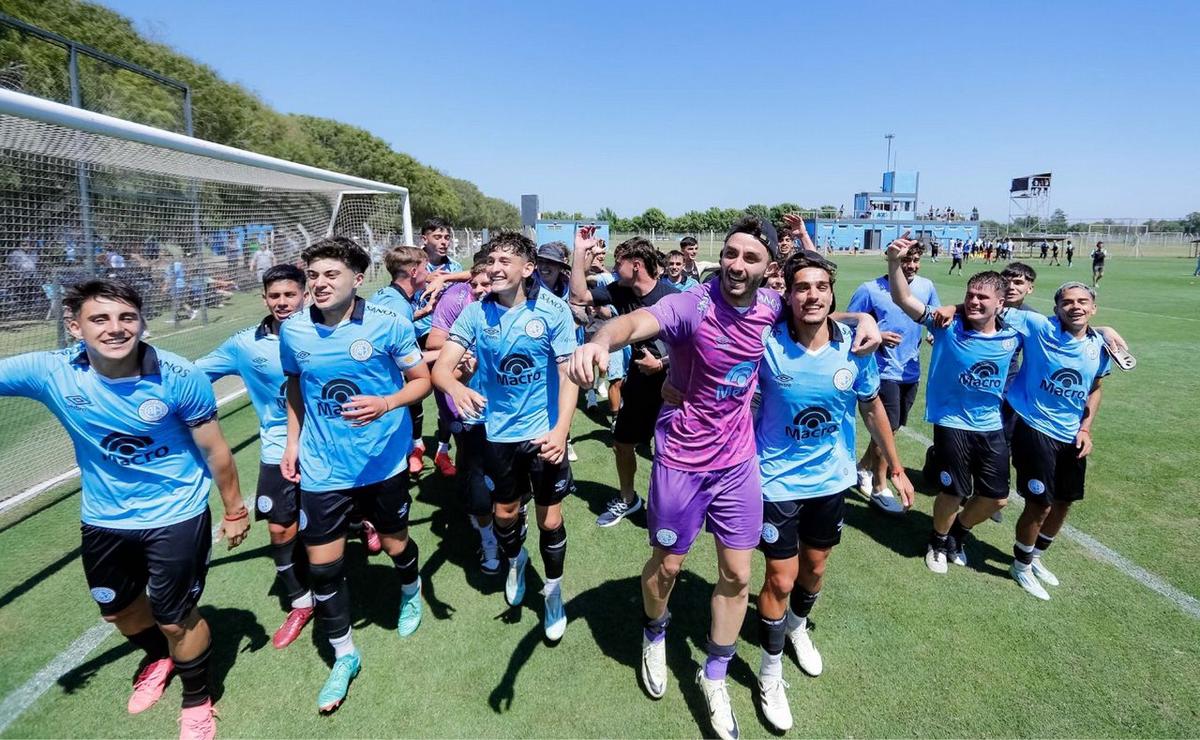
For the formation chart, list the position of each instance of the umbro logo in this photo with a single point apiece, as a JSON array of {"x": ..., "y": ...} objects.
[
  {"x": 259, "y": 361},
  {"x": 722, "y": 339},
  {"x": 785, "y": 381},
  {"x": 78, "y": 401},
  {"x": 492, "y": 331},
  {"x": 301, "y": 356}
]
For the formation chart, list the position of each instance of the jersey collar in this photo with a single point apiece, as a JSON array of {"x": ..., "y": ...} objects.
[
  {"x": 356, "y": 313},
  {"x": 264, "y": 328},
  {"x": 147, "y": 360},
  {"x": 533, "y": 288}
]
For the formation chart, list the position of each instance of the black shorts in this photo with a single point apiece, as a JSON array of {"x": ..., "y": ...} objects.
[
  {"x": 470, "y": 440},
  {"x": 813, "y": 522},
  {"x": 897, "y": 400},
  {"x": 1048, "y": 469},
  {"x": 168, "y": 564},
  {"x": 513, "y": 470},
  {"x": 1009, "y": 418},
  {"x": 957, "y": 261},
  {"x": 326, "y": 515},
  {"x": 965, "y": 458},
  {"x": 277, "y": 499},
  {"x": 641, "y": 400}
]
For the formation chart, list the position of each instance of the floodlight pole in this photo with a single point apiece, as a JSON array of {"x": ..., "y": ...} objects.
[
  {"x": 85, "y": 202},
  {"x": 887, "y": 164}
]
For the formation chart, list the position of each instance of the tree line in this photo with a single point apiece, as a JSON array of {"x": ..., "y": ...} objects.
[{"x": 691, "y": 222}]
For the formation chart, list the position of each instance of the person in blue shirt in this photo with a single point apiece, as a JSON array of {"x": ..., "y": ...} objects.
[
  {"x": 521, "y": 337},
  {"x": 899, "y": 365},
  {"x": 674, "y": 274},
  {"x": 1056, "y": 396},
  {"x": 253, "y": 355},
  {"x": 144, "y": 425},
  {"x": 965, "y": 390},
  {"x": 811, "y": 386},
  {"x": 352, "y": 369}
]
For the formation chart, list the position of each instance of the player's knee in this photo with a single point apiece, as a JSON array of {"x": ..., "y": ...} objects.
[
  {"x": 174, "y": 632},
  {"x": 325, "y": 574},
  {"x": 668, "y": 568},
  {"x": 549, "y": 517},
  {"x": 780, "y": 583},
  {"x": 736, "y": 575}
]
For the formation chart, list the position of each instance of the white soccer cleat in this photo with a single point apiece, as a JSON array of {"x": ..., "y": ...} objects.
[
  {"x": 1043, "y": 573},
  {"x": 514, "y": 584},
  {"x": 886, "y": 501},
  {"x": 654, "y": 667},
  {"x": 554, "y": 615},
  {"x": 865, "y": 481},
  {"x": 958, "y": 555},
  {"x": 1028, "y": 581},
  {"x": 806, "y": 653},
  {"x": 571, "y": 456},
  {"x": 720, "y": 711},
  {"x": 935, "y": 559},
  {"x": 772, "y": 698}
]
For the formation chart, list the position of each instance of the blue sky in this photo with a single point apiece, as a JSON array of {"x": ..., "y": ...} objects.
[{"x": 686, "y": 105}]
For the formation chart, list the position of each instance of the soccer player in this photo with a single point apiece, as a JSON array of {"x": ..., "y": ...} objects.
[
  {"x": 253, "y": 355},
  {"x": 805, "y": 436},
  {"x": 690, "y": 248},
  {"x": 637, "y": 286},
  {"x": 1020, "y": 279},
  {"x": 675, "y": 276},
  {"x": 521, "y": 336},
  {"x": 144, "y": 425},
  {"x": 705, "y": 468},
  {"x": 352, "y": 368},
  {"x": 899, "y": 362},
  {"x": 1054, "y": 260},
  {"x": 1070, "y": 250},
  {"x": 1056, "y": 396},
  {"x": 956, "y": 257},
  {"x": 467, "y": 430},
  {"x": 966, "y": 377},
  {"x": 1099, "y": 254}
]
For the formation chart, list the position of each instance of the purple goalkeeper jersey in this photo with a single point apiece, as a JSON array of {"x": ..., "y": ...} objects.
[
  {"x": 715, "y": 350},
  {"x": 450, "y": 304}
]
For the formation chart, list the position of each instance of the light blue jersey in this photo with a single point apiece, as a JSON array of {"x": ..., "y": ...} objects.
[
  {"x": 805, "y": 433},
  {"x": 518, "y": 350},
  {"x": 139, "y": 466},
  {"x": 394, "y": 300},
  {"x": 253, "y": 355},
  {"x": 1052, "y": 386},
  {"x": 366, "y": 355},
  {"x": 966, "y": 375},
  {"x": 901, "y": 363},
  {"x": 687, "y": 282}
]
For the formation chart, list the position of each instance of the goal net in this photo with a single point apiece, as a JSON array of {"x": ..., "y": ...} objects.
[{"x": 191, "y": 224}]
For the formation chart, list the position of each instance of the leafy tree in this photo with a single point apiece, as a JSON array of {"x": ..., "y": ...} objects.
[
  {"x": 1058, "y": 221},
  {"x": 653, "y": 219},
  {"x": 607, "y": 214},
  {"x": 759, "y": 210}
]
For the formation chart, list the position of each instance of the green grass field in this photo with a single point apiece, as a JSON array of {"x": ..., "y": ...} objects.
[{"x": 907, "y": 653}]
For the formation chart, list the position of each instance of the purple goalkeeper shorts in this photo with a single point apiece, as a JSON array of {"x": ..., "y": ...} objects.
[{"x": 727, "y": 501}]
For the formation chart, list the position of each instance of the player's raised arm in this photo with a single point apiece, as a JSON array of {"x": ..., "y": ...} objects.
[
  {"x": 235, "y": 524},
  {"x": 614, "y": 335},
  {"x": 898, "y": 284},
  {"x": 585, "y": 241}
]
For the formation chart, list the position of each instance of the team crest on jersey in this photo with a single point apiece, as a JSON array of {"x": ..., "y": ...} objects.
[
  {"x": 1036, "y": 487},
  {"x": 103, "y": 595},
  {"x": 703, "y": 304},
  {"x": 666, "y": 537},
  {"x": 843, "y": 379},
  {"x": 770, "y": 533},
  {"x": 1009, "y": 344},
  {"x": 535, "y": 328},
  {"x": 945, "y": 478},
  {"x": 1093, "y": 352},
  {"x": 152, "y": 410},
  {"x": 361, "y": 350}
]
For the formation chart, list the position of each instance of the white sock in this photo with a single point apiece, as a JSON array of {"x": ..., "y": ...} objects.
[
  {"x": 771, "y": 666},
  {"x": 794, "y": 622},
  {"x": 553, "y": 585},
  {"x": 408, "y": 589},
  {"x": 1023, "y": 548},
  {"x": 304, "y": 601},
  {"x": 418, "y": 445},
  {"x": 343, "y": 645},
  {"x": 443, "y": 447}
]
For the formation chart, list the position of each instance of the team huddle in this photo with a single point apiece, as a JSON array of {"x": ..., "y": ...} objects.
[{"x": 747, "y": 383}]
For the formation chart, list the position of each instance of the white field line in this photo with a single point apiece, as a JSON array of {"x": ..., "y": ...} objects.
[
  {"x": 34, "y": 491},
  {"x": 1187, "y": 603}
]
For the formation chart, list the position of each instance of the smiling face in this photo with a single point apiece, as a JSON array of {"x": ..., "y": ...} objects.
[
  {"x": 981, "y": 304},
  {"x": 811, "y": 296},
  {"x": 1074, "y": 308},
  {"x": 332, "y": 282},
  {"x": 283, "y": 298},
  {"x": 690, "y": 251},
  {"x": 481, "y": 285},
  {"x": 674, "y": 267},
  {"x": 507, "y": 270},
  {"x": 110, "y": 328},
  {"x": 744, "y": 262},
  {"x": 910, "y": 264},
  {"x": 549, "y": 271}
]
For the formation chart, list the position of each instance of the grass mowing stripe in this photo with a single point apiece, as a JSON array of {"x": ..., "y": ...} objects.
[{"x": 1098, "y": 550}]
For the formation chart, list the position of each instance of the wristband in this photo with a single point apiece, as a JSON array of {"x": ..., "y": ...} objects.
[{"x": 245, "y": 513}]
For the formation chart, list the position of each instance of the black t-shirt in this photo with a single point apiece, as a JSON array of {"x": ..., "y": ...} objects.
[{"x": 626, "y": 300}]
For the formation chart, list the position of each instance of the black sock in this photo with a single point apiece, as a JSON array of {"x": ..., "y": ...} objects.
[
  {"x": 1022, "y": 556},
  {"x": 332, "y": 597},
  {"x": 194, "y": 674},
  {"x": 152, "y": 642},
  {"x": 959, "y": 533},
  {"x": 939, "y": 541},
  {"x": 417, "y": 412},
  {"x": 553, "y": 544},
  {"x": 290, "y": 568},
  {"x": 1042, "y": 543},
  {"x": 407, "y": 562},
  {"x": 509, "y": 537},
  {"x": 772, "y": 633},
  {"x": 801, "y": 602}
]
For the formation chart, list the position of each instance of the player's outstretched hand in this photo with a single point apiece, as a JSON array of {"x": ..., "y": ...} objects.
[
  {"x": 1083, "y": 443},
  {"x": 587, "y": 360},
  {"x": 943, "y": 315},
  {"x": 362, "y": 410},
  {"x": 904, "y": 488},
  {"x": 671, "y": 395},
  {"x": 898, "y": 247},
  {"x": 469, "y": 403},
  {"x": 553, "y": 447},
  {"x": 235, "y": 529},
  {"x": 794, "y": 222},
  {"x": 585, "y": 239},
  {"x": 866, "y": 336},
  {"x": 289, "y": 466}
]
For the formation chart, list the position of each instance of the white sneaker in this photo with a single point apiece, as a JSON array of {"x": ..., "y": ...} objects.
[
  {"x": 571, "y": 456},
  {"x": 514, "y": 585},
  {"x": 720, "y": 711},
  {"x": 602, "y": 389},
  {"x": 1028, "y": 581},
  {"x": 806, "y": 653},
  {"x": 886, "y": 501},
  {"x": 617, "y": 510},
  {"x": 958, "y": 555},
  {"x": 865, "y": 481},
  {"x": 555, "y": 616},
  {"x": 935, "y": 559},
  {"x": 1043, "y": 573},
  {"x": 772, "y": 697},
  {"x": 654, "y": 667}
]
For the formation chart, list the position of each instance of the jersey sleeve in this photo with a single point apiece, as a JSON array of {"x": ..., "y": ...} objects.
[
  {"x": 1026, "y": 323},
  {"x": 221, "y": 361},
  {"x": 404, "y": 350},
  {"x": 861, "y": 301},
  {"x": 194, "y": 400},
  {"x": 934, "y": 301},
  {"x": 600, "y": 294},
  {"x": 866, "y": 385},
  {"x": 678, "y": 315},
  {"x": 446, "y": 310},
  {"x": 1105, "y": 367},
  {"x": 287, "y": 353},
  {"x": 563, "y": 339},
  {"x": 466, "y": 326},
  {"x": 24, "y": 375}
]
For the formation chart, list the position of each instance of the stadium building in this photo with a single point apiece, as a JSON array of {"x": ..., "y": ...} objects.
[{"x": 881, "y": 216}]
